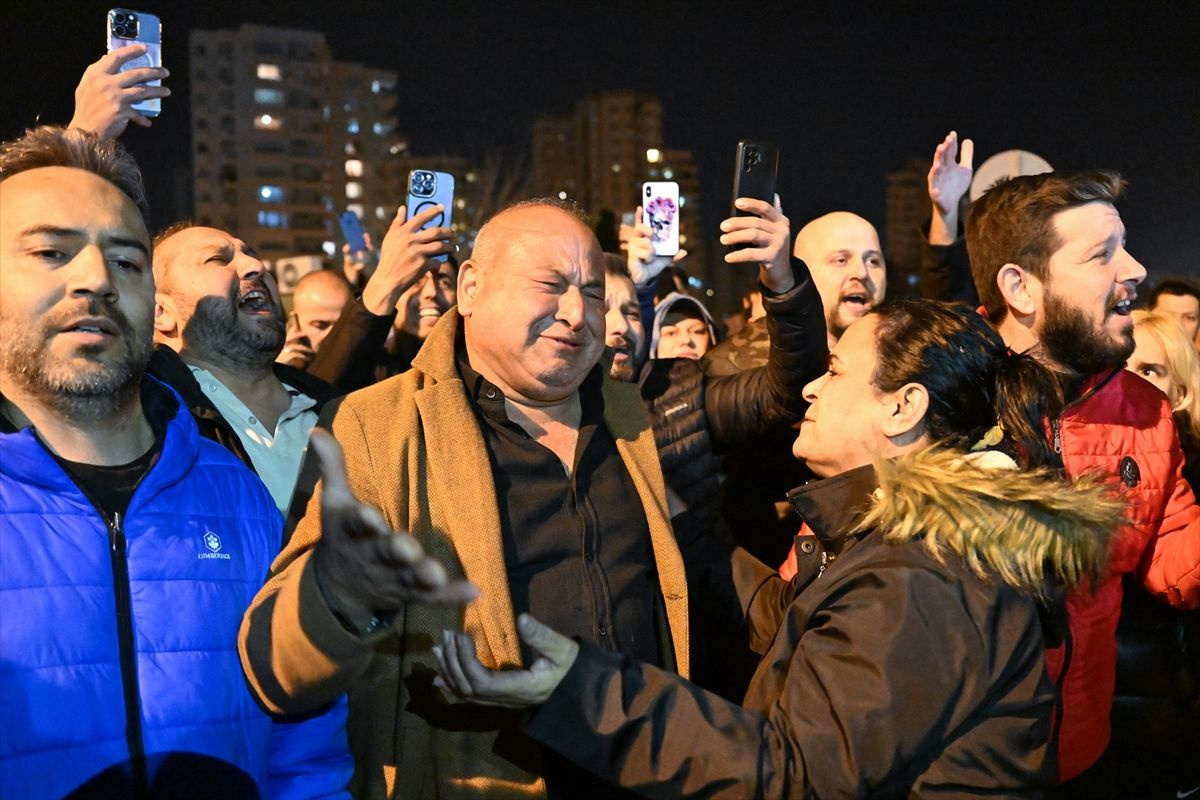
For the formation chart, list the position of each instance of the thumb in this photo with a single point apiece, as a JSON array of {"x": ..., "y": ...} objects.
[
  {"x": 332, "y": 462},
  {"x": 543, "y": 639}
]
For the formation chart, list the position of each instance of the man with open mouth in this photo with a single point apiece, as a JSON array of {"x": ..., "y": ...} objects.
[
  {"x": 219, "y": 326},
  {"x": 1048, "y": 258},
  {"x": 843, "y": 253}
]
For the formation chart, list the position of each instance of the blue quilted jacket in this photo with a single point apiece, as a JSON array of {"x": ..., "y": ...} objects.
[{"x": 98, "y": 617}]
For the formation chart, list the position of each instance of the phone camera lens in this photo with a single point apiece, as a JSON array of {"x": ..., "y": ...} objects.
[
  {"x": 753, "y": 157},
  {"x": 118, "y": 17},
  {"x": 647, "y": 191}
]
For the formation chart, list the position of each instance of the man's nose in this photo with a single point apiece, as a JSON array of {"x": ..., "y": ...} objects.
[
  {"x": 1130, "y": 269},
  {"x": 90, "y": 273},
  {"x": 571, "y": 305},
  {"x": 248, "y": 267}
]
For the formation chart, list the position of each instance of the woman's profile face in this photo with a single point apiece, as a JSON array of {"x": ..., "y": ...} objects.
[
  {"x": 842, "y": 427},
  {"x": 1149, "y": 360}
]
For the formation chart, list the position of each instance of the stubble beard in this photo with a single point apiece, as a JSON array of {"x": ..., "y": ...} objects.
[
  {"x": 84, "y": 385},
  {"x": 215, "y": 333}
]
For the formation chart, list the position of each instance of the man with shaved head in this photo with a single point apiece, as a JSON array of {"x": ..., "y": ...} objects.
[
  {"x": 219, "y": 326},
  {"x": 317, "y": 302},
  {"x": 514, "y": 459},
  {"x": 843, "y": 254}
]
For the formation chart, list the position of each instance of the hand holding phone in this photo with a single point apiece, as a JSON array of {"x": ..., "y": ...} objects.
[
  {"x": 429, "y": 188},
  {"x": 754, "y": 172},
  {"x": 127, "y": 27}
]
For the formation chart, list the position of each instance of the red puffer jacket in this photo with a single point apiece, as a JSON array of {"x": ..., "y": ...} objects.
[{"x": 1121, "y": 426}]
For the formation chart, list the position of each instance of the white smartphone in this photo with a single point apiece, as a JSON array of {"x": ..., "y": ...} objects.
[
  {"x": 660, "y": 210},
  {"x": 127, "y": 27}
]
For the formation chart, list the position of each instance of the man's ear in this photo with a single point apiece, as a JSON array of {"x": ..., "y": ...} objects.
[
  {"x": 470, "y": 276},
  {"x": 906, "y": 409},
  {"x": 1021, "y": 291},
  {"x": 166, "y": 321}
]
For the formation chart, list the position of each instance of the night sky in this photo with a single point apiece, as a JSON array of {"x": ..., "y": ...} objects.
[{"x": 847, "y": 91}]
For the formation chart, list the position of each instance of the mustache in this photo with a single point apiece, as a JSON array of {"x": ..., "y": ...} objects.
[{"x": 94, "y": 307}]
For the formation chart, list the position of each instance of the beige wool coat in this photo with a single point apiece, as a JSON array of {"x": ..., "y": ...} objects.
[{"x": 414, "y": 450}]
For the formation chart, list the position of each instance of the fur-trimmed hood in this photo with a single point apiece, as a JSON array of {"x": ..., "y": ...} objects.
[{"x": 1023, "y": 526}]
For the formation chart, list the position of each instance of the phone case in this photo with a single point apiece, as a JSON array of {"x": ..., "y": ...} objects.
[
  {"x": 660, "y": 210},
  {"x": 754, "y": 172},
  {"x": 427, "y": 188},
  {"x": 127, "y": 27},
  {"x": 352, "y": 231}
]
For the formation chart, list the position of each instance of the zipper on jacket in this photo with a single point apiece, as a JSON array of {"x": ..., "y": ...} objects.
[
  {"x": 128, "y": 655},
  {"x": 1056, "y": 423}
]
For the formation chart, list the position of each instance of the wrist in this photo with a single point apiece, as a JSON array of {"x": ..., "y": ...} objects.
[{"x": 943, "y": 227}]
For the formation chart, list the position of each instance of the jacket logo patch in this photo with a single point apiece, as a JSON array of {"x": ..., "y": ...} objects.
[
  {"x": 213, "y": 543},
  {"x": 1131, "y": 475}
]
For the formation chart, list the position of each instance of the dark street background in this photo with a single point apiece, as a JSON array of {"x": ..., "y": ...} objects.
[{"x": 848, "y": 91}]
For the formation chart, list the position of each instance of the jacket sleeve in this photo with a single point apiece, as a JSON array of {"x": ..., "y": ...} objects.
[
  {"x": 352, "y": 349},
  {"x": 310, "y": 758},
  {"x": 296, "y": 655},
  {"x": 747, "y": 403},
  {"x": 946, "y": 271},
  {"x": 1170, "y": 567},
  {"x": 858, "y": 702}
]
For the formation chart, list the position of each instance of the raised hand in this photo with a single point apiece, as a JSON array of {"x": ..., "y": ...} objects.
[
  {"x": 463, "y": 676},
  {"x": 365, "y": 569},
  {"x": 644, "y": 266},
  {"x": 949, "y": 179},
  {"x": 766, "y": 241},
  {"x": 359, "y": 265},
  {"x": 406, "y": 255},
  {"x": 105, "y": 96}
]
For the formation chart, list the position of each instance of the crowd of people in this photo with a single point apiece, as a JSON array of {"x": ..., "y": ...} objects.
[{"x": 522, "y": 522}]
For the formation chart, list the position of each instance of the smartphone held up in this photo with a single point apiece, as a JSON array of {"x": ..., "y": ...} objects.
[
  {"x": 660, "y": 212},
  {"x": 428, "y": 188},
  {"x": 127, "y": 27}
]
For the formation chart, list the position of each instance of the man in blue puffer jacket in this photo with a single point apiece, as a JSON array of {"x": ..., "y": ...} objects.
[{"x": 129, "y": 546}]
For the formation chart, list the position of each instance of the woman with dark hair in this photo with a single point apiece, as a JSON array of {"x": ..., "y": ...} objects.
[{"x": 912, "y": 662}]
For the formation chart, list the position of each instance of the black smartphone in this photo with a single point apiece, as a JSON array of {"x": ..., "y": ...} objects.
[
  {"x": 754, "y": 172},
  {"x": 127, "y": 27}
]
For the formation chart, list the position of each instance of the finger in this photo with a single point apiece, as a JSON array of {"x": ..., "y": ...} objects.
[
  {"x": 398, "y": 220},
  {"x": 968, "y": 153},
  {"x": 756, "y": 207},
  {"x": 679, "y": 256},
  {"x": 138, "y": 119},
  {"x": 455, "y": 593},
  {"x": 543, "y": 639},
  {"x": 437, "y": 248},
  {"x": 370, "y": 245},
  {"x": 141, "y": 75},
  {"x": 332, "y": 463},
  {"x": 431, "y": 213},
  {"x": 431, "y": 234},
  {"x": 454, "y": 673},
  {"x": 111, "y": 63},
  {"x": 749, "y": 255},
  {"x": 750, "y": 236},
  {"x": 140, "y": 93}
]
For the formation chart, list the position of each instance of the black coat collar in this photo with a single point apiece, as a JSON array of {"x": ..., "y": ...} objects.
[{"x": 832, "y": 507}]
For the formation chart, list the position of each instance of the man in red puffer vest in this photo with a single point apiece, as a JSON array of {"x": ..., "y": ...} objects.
[{"x": 1048, "y": 258}]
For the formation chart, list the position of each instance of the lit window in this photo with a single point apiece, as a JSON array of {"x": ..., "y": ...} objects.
[
  {"x": 668, "y": 173},
  {"x": 352, "y": 125},
  {"x": 460, "y": 203},
  {"x": 616, "y": 167},
  {"x": 266, "y": 122},
  {"x": 354, "y": 168},
  {"x": 269, "y": 72},
  {"x": 330, "y": 248},
  {"x": 268, "y": 97},
  {"x": 683, "y": 238},
  {"x": 357, "y": 209},
  {"x": 562, "y": 195},
  {"x": 272, "y": 219},
  {"x": 328, "y": 113},
  {"x": 397, "y": 148},
  {"x": 376, "y": 87},
  {"x": 682, "y": 201},
  {"x": 380, "y": 212},
  {"x": 653, "y": 155},
  {"x": 353, "y": 190},
  {"x": 381, "y": 128},
  {"x": 471, "y": 177},
  {"x": 708, "y": 292},
  {"x": 270, "y": 194}
]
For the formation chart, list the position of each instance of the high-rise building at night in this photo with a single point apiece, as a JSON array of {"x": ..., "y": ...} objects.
[
  {"x": 600, "y": 153},
  {"x": 284, "y": 138}
]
